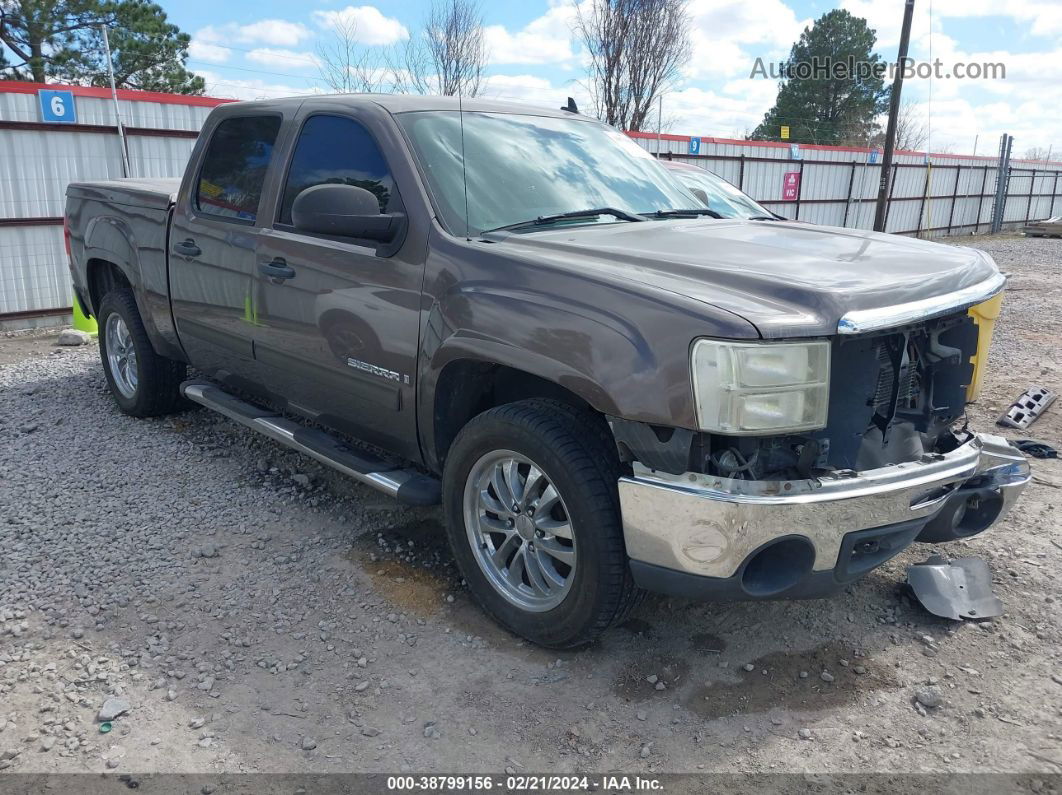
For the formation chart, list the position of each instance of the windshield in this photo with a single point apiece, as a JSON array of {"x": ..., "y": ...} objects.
[
  {"x": 522, "y": 167},
  {"x": 718, "y": 194}
]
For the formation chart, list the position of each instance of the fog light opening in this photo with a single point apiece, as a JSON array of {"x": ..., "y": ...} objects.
[
  {"x": 977, "y": 513},
  {"x": 778, "y": 566}
]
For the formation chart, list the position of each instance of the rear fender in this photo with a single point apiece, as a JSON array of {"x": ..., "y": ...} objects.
[{"x": 111, "y": 239}]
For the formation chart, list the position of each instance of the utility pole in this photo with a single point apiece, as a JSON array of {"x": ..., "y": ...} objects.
[
  {"x": 894, "y": 110},
  {"x": 659, "y": 124},
  {"x": 999, "y": 204},
  {"x": 114, "y": 96}
]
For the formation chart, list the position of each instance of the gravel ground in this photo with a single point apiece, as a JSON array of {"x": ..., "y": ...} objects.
[{"x": 237, "y": 608}]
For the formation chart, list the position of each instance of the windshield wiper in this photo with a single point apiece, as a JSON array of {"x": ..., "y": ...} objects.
[
  {"x": 544, "y": 220},
  {"x": 766, "y": 218},
  {"x": 690, "y": 213}
]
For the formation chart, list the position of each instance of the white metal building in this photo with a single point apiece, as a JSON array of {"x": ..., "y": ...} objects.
[{"x": 51, "y": 135}]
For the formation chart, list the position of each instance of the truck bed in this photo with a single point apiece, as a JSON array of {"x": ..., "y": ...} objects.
[{"x": 154, "y": 193}]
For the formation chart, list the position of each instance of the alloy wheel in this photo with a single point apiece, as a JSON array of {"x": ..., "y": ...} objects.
[
  {"x": 520, "y": 530},
  {"x": 121, "y": 355}
]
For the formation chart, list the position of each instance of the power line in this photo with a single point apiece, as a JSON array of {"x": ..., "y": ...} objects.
[{"x": 209, "y": 65}]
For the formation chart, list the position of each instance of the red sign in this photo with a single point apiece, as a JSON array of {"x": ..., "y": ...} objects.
[{"x": 790, "y": 186}]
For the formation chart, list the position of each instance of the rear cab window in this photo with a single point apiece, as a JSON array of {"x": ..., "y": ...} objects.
[{"x": 234, "y": 167}]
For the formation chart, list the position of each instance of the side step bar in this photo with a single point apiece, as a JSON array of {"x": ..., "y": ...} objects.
[{"x": 405, "y": 485}]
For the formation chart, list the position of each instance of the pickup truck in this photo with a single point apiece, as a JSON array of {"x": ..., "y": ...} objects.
[{"x": 609, "y": 386}]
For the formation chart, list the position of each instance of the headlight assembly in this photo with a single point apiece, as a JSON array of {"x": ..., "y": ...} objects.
[{"x": 760, "y": 387}]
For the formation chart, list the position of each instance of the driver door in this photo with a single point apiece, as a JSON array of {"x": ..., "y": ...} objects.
[{"x": 337, "y": 324}]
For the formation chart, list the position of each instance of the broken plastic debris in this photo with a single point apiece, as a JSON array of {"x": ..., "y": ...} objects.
[
  {"x": 957, "y": 589},
  {"x": 1024, "y": 411},
  {"x": 105, "y": 727},
  {"x": 1035, "y": 448}
]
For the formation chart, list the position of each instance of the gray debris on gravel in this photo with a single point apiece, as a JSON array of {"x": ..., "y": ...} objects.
[
  {"x": 74, "y": 337},
  {"x": 111, "y": 709},
  {"x": 929, "y": 696}
]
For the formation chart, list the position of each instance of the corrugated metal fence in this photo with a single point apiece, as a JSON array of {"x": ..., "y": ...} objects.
[
  {"x": 932, "y": 195},
  {"x": 39, "y": 156}
]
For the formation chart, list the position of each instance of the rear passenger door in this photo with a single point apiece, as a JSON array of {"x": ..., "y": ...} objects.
[
  {"x": 337, "y": 336},
  {"x": 212, "y": 246}
]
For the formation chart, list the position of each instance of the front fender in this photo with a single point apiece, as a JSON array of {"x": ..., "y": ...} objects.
[
  {"x": 632, "y": 363},
  {"x": 586, "y": 349}
]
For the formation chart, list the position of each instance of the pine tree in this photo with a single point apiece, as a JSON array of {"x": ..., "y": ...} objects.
[
  {"x": 60, "y": 41},
  {"x": 826, "y": 106}
]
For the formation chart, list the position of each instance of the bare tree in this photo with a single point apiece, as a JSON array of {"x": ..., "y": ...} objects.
[
  {"x": 912, "y": 129},
  {"x": 345, "y": 64},
  {"x": 637, "y": 49},
  {"x": 1037, "y": 153},
  {"x": 449, "y": 56}
]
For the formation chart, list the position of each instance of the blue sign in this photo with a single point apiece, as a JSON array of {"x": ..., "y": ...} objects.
[
  {"x": 695, "y": 145},
  {"x": 57, "y": 106},
  {"x": 873, "y": 157},
  {"x": 794, "y": 151}
]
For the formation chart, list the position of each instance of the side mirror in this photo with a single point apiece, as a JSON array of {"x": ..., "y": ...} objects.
[{"x": 344, "y": 210}]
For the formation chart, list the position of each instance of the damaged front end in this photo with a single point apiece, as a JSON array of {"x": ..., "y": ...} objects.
[
  {"x": 800, "y": 514},
  {"x": 894, "y": 397}
]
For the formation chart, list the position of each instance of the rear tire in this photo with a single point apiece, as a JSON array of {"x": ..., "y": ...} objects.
[
  {"x": 573, "y": 580},
  {"x": 143, "y": 383}
]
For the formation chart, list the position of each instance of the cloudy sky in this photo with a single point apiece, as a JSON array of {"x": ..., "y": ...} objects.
[{"x": 267, "y": 48}]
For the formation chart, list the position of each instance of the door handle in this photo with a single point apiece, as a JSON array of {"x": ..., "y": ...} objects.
[
  {"x": 187, "y": 248},
  {"x": 278, "y": 269}
]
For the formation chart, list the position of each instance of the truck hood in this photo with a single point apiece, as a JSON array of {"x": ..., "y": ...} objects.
[{"x": 787, "y": 279}]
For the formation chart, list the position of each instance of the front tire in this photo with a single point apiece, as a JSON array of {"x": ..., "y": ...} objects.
[
  {"x": 143, "y": 383},
  {"x": 532, "y": 513}
]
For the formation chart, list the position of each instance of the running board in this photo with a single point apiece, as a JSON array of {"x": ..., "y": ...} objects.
[{"x": 406, "y": 485}]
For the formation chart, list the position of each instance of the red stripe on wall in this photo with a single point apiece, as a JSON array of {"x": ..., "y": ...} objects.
[
  {"x": 96, "y": 92},
  {"x": 782, "y": 145},
  {"x": 38, "y": 221}
]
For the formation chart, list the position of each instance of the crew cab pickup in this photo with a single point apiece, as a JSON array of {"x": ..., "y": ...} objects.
[{"x": 610, "y": 382}]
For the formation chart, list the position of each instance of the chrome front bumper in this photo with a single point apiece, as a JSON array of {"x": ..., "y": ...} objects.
[{"x": 707, "y": 526}]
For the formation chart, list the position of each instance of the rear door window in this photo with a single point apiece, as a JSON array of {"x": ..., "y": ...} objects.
[
  {"x": 235, "y": 165},
  {"x": 336, "y": 150}
]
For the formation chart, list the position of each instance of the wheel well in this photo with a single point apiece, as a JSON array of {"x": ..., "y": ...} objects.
[
  {"x": 467, "y": 388},
  {"x": 103, "y": 276}
]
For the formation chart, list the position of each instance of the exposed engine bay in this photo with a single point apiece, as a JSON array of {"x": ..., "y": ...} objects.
[{"x": 894, "y": 397}]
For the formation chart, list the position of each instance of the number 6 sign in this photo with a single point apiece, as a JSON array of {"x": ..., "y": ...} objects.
[{"x": 57, "y": 107}]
